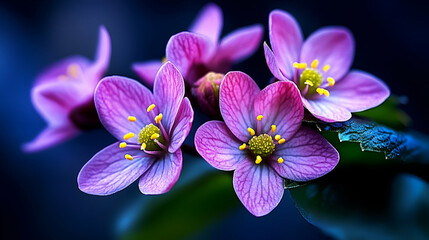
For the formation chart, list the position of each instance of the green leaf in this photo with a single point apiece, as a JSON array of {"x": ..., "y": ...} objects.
[{"x": 187, "y": 210}]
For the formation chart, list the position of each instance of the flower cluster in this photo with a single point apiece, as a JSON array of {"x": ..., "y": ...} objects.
[{"x": 260, "y": 135}]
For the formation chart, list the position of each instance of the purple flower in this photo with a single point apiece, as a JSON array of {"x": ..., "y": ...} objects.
[
  {"x": 63, "y": 95},
  {"x": 151, "y": 128},
  {"x": 263, "y": 141},
  {"x": 198, "y": 52},
  {"x": 320, "y": 68}
]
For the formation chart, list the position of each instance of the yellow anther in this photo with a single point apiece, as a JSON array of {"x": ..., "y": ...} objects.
[
  {"x": 280, "y": 160},
  {"x": 258, "y": 159},
  {"x": 73, "y": 70},
  {"x": 326, "y": 92},
  {"x": 154, "y": 136},
  {"x": 143, "y": 146},
  {"x": 122, "y": 144},
  {"x": 299, "y": 65},
  {"x": 282, "y": 141},
  {"x": 259, "y": 117},
  {"x": 128, "y": 157},
  {"x": 273, "y": 128},
  {"x": 319, "y": 91},
  {"x": 242, "y": 146},
  {"x": 163, "y": 60},
  {"x": 277, "y": 137},
  {"x": 331, "y": 81},
  {"x": 132, "y": 118},
  {"x": 251, "y": 131},
  {"x": 314, "y": 63},
  {"x": 128, "y": 136},
  {"x": 158, "y": 118},
  {"x": 308, "y": 82},
  {"x": 152, "y": 106},
  {"x": 326, "y": 67}
]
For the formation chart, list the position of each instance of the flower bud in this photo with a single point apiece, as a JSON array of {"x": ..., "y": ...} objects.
[{"x": 206, "y": 93}]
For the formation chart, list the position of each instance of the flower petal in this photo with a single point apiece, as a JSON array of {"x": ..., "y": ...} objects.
[
  {"x": 115, "y": 99},
  {"x": 188, "y": 50},
  {"x": 236, "y": 96},
  {"x": 258, "y": 187},
  {"x": 325, "y": 110},
  {"x": 168, "y": 91},
  {"x": 163, "y": 174},
  {"x": 286, "y": 40},
  {"x": 272, "y": 63},
  {"x": 308, "y": 155},
  {"x": 208, "y": 22},
  {"x": 51, "y": 136},
  {"x": 240, "y": 44},
  {"x": 182, "y": 125},
  {"x": 280, "y": 104},
  {"x": 218, "y": 146},
  {"x": 102, "y": 57},
  {"x": 332, "y": 46},
  {"x": 359, "y": 91},
  {"x": 109, "y": 172},
  {"x": 147, "y": 71}
]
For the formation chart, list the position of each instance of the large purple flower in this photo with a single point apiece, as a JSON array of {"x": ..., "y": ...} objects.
[
  {"x": 320, "y": 68},
  {"x": 63, "y": 95},
  {"x": 198, "y": 52},
  {"x": 263, "y": 141},
  {"x": 151, "y": 129}
]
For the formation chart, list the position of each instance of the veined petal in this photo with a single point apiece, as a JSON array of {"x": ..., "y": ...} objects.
[
  {"x": 272, "y": 63},
  {"x": 307, "y": 155},
  {"x": 116, "y": 98},
  {"x": 162, "y": 175},
  {"x": 182, "y": 125},
  {"x": 208, "y": 22},
  {"x": 359, "y": 91},
  {"x": 168, "y": 91},
  {"x": 109, "y": 172},
  {"x": 218, "y": 146},
  {"x": 240, "y": 44},
  {"x": 332, "y": 46},
  {"x": 325, "y": 110},
  {"x": 258, "y": 187},
  {"x": 286, "y": 40},
  {"x": 51, "y": 136},
  {"x": 147, "y": 71},
  {"x": 188, "y": 50},
  {"x": 236, "y": 96},
  {"x": 102, "y": 57},
  {"x": 280, "y": 104}
]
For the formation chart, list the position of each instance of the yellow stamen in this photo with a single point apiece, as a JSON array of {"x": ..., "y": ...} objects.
[
  {"x": 152, "y": 106},
  {"x": 319, "y": 91},
  {"x": 163, "y": 60},
  {"x": 128, "y": 157},
  {"x": 326, "y": 92},
  {"x": 331, "y": 81},
  {"x": 308, "y": 82},
  {"x": 132, "y": 118},
  {"x": 251, "y": 131},
  {"x": 154, "y": 136},
  {"x": 143, "y": 146},
  {"x": 273, "y": 128},
  {"x": 314, "y": 63},
  {"x": 73, "y": 70},
  {"x": 326, "y": 67},
  {"x": 242, "y": 147},
  {"x": 158, "y": 118},
  {"x": 128, "y": 136},
  {"x": 259, "y": 117},
  {"x": 122, "y": 144},
  {"x": 280, "y": 160},
  {"x": 299, "y": 65},
  {"x": 258, "y": 159},
  {"x": 277, "y": 137},
  {"x": 282, "y": 141}
]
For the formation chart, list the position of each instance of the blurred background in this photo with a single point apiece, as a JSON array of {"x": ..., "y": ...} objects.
[{"x": 40, "y": 198}]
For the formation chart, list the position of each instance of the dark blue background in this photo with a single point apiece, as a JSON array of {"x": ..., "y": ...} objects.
[{"x": 39, "y": 194}]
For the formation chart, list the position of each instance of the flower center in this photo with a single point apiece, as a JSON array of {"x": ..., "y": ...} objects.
[
  {"x": 73, "y": 72},
  {"x": 262, "y": 145},
  {"x": 148, "y": 135},
  {"x": 311, "y": 78}
]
